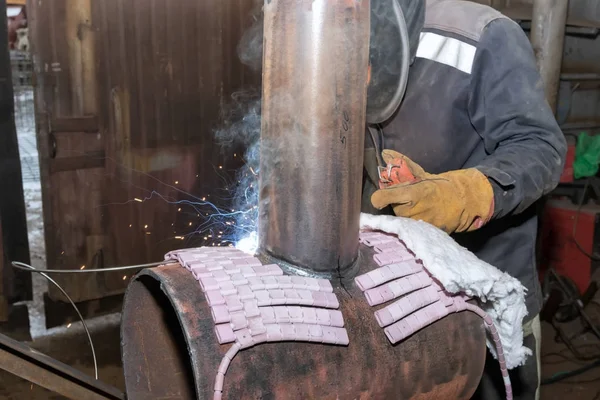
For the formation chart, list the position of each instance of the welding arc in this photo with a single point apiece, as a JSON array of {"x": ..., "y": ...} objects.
[
  {"x": 26, "y": 267},
  {"x": 29, "y": 268}
]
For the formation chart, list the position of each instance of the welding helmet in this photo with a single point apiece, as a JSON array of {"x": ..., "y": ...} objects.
[{"x": 395, "y": 30}]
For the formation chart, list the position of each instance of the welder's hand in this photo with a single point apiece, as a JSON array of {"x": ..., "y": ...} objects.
[{"x": 455, "y": 201}]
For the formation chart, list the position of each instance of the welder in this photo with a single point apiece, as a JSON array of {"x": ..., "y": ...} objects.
[{"x": 471, "y": 148}]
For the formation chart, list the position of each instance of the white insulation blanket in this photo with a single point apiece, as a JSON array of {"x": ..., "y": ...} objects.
[{"x": 459, "y": 270}]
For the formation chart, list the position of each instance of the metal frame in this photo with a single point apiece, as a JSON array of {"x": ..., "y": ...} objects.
[{"x": 27, "y": 363}]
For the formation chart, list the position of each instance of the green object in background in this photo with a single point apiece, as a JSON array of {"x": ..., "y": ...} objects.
[{"x": 587, "y": 156}]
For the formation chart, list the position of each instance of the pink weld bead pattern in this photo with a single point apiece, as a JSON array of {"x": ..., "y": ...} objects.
[
  {"x": 397, "y": 288},
  {"x": 236, "y": 272},
  {"x": 208, "y": 282},
  {"x": 373, "y": 241},
  {"x": 294, "y": 332},
  {"x": 424, "y": 301},
  {"x": 406, "y": 305},
  {"x": 253, "y": 303},
  {"x": 275, "y": 297},
  {"x": 279, "y": 314},
  {"x": 392, "y": 257},
  {"x": 388, "y": 246},
  {"x": 415, "y": 322},
  {"x": 387, "y": 273}
]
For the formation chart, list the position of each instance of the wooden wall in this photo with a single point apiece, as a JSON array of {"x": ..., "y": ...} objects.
[{"x": 128, "y": 95}]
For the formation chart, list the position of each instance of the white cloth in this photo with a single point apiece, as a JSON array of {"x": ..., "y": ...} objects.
[{"x": 459, "y": 270}]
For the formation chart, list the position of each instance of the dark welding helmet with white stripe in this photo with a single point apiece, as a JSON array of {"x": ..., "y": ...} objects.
[{"x": 395, "y": 29}]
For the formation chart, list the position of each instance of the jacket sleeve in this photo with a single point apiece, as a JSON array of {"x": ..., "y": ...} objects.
[{"x": 524, "y": 144}]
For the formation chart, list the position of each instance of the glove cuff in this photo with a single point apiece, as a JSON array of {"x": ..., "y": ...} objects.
[{"x": 479, "y": 199}]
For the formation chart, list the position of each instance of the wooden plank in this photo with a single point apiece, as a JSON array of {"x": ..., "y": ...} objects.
[
  {"x": 33, "y": 366},
  {"x": 75, "y": 124},
  {"x": 13, "y": 224},
  {"x": 90, "y": 160},
  {"x": 17, "y": 324},
  {"x": 61, "y": 313}
]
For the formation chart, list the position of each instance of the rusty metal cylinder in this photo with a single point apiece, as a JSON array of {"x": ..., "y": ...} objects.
[
  {"x": 315, "y": 66},
  {"x": 170, "y": 350}
]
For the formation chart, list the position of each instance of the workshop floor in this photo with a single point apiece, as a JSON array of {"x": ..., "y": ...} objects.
[
  {"x": 556, "y": 358},
  {"x": 71, "y": 347}
]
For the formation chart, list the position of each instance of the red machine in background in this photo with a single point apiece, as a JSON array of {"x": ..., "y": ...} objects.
[
  {"x": 567, "y": 235},
  {"x": 568, "y": 227},
  {"x": 567, "y": 175}
]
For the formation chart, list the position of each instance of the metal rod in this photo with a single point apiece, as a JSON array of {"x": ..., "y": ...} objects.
[
  {"x": 85, "y": 327},
  {"x": 547, "y": 38},
  {"x": 571, "y": 126},
  {"x": 38, "y": 368},
  {"x": 316, "y": 55},
  {"x": 589, "y": 76}
]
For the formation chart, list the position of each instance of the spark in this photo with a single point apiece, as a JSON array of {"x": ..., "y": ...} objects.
[
  {"x": 124, "y": 277},
  {"x": 177, "y": 182},
  {"x": 68, "y": 326},
  {"x": 145, "y": 226},
  {"x": 248, "y": 244},
  {"x": 138, "y": 200},
  {"x": 130, "y": 225},
  {"x": 82, "y": 267},
  {"x": 180, "y": 237}
]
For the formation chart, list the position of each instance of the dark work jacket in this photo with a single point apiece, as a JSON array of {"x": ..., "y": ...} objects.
[{"x": 475, "y": 99}]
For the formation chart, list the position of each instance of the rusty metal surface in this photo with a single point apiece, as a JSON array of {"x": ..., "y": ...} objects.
[
  {"x": 547, "y": 39},
  {"x": 128, "y": 95},
  {"x": 313, "y": 118},
  {"x": 29, "y": 364},
  {"x": 169, "y": 349}
]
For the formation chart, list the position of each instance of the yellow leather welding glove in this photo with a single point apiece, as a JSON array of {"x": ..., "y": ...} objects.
[{"x": 455, "y": 201}]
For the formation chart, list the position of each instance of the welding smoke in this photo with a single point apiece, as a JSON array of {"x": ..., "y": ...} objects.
[
  {"x": 241, "y": 130},
  {"x": 250, "y": 47}
]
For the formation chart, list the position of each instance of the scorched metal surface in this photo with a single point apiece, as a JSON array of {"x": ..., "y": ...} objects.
[{"x": 169, "y": 348}]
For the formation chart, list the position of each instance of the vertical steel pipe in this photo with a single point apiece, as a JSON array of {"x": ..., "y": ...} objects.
[
  {"x": 547, "y": 38},
  {"x": 315, "y": 63}
]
